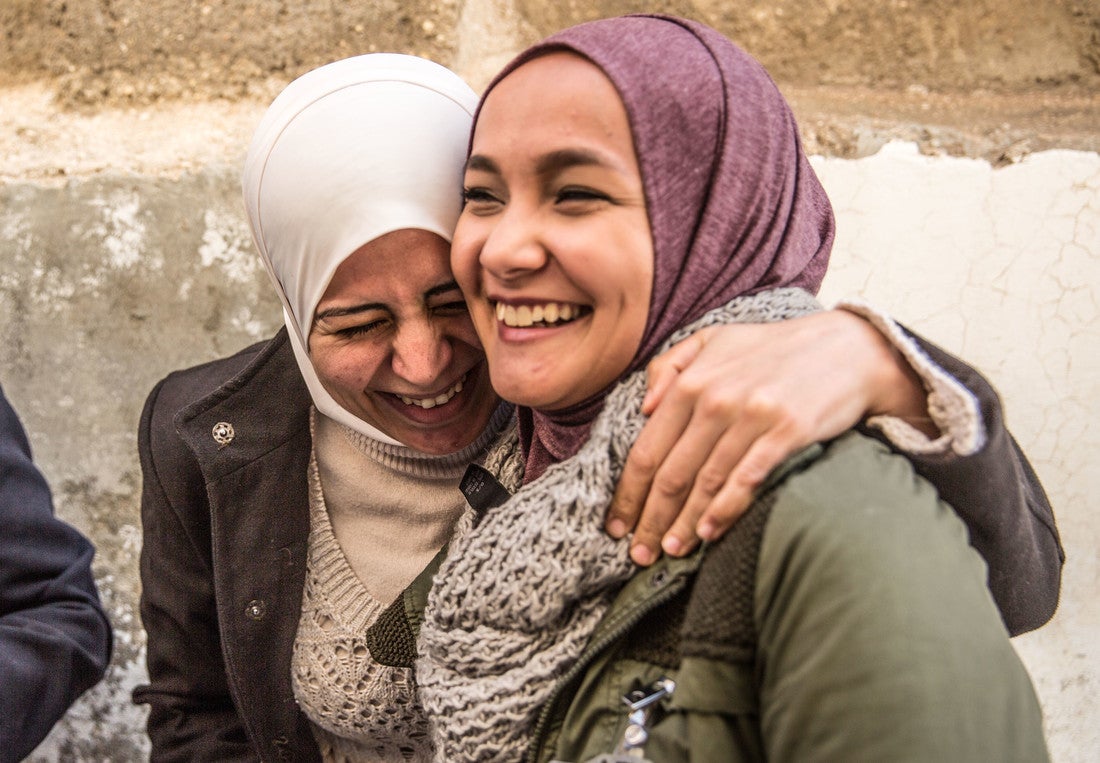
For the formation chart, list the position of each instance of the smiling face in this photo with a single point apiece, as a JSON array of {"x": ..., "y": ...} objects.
[
  {"x": 392, "y": 342},
  {"x": 553, "y": 248}
]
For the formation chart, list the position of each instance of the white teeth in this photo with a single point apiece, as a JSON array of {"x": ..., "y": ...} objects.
[
  {"x": 528, "y": 315},
  {"x": 432, "y": 402}
]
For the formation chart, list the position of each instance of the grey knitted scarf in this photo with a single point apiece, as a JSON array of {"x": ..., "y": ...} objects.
[{"x": 519, "y": 595}]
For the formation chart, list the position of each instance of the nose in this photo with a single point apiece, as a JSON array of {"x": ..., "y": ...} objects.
[
  {"x": 513, "y": 247},
  {"x": 421, "y": 353}
]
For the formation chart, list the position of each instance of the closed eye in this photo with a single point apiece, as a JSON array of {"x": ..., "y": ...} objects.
[
  {"x": 451, "y": 308},
  {"x": 579, "y": 200},
  {"x": 580, "y": 194},
  {"x": 360, "y": 329},
  {"x": 478, "y": 198}
]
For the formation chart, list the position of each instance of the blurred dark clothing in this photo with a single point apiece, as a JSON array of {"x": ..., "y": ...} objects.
[{"x": 55, "y": 640}]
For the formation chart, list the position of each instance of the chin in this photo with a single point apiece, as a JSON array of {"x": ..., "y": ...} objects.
[
  {"x": 518, "y": 396},
  {"x": 535, "y": 401},
  {"x": 452, "y": 436},
  {"x": 442, "y": 443},
  {"x": 517, "y": 388}
]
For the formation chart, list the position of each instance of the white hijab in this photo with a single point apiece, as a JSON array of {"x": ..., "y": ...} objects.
[{"x": 347, "y": 153}]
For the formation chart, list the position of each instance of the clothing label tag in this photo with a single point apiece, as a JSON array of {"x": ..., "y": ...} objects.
[{"x": 482, "y": 490}]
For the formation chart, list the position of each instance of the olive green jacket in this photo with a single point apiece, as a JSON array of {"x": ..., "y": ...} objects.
[{"x": 844, "y": 618}]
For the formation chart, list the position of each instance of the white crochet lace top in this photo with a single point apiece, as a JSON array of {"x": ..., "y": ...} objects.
[
  {"x": 332, "y": 668},
  {"x": 395, "y": 509}
]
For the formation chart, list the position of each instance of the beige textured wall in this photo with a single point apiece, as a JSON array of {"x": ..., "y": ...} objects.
[
  {"x": 124, "y": 253},
  {"x": 1003, "y": 267}
]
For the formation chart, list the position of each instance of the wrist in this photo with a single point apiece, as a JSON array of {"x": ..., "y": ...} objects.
[
  {"x": 903, "y": 396},
  {"x": 895, "y": 389},
  {"x": 951, "y": 406}
]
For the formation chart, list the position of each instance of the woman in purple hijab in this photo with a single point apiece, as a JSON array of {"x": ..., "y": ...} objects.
[{"x": 631, "y": 182}]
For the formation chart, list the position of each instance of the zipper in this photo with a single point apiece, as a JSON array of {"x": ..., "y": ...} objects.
[
  {"x": 628, "y": 620},
  {"x": 631, "y": 617}
]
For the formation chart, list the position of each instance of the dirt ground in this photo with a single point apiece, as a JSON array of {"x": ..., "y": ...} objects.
[{"x": 163, "y": 86}]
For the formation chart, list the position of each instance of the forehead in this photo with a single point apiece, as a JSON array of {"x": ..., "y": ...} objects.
[
  {"x": 558, "y": 96},
  {"x": 398, "y": 266}
]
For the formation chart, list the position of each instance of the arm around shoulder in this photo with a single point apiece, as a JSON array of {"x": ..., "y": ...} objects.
[
  {"x": 996, "y": 492},
  {"x": 877, "y": 637}
]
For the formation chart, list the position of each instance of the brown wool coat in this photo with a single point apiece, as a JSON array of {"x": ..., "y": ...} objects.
[{"x": 223, "y": 562}]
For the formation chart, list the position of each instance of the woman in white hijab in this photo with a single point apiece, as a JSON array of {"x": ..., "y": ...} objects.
[{"x": 296, "y": 490}]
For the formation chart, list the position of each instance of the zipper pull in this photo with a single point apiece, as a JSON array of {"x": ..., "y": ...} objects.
[{"x": 641, "y": 704}]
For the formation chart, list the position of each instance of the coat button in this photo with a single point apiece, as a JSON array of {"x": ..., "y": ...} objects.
[
  {"x": 223, "y": 433},
  {"x": 280, "y": 744},
  {"x": 255, "y": 609}
]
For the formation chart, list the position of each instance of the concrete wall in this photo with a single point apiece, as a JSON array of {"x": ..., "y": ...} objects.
[
  {"x": 1003, "y": 267},
  {"x": 105, "y": 286},
  {"x": 117, "y": 267}
]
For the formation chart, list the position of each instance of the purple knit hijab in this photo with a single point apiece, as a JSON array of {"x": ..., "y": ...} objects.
[{"x": 734, "y": 206}]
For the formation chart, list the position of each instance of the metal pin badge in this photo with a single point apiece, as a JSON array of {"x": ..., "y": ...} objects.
[{"x": 223, "y": 433}]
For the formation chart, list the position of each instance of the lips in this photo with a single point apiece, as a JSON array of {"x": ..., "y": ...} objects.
[
  {"x": 544, "y": 314},
  {"x": 443, "y": 398}
]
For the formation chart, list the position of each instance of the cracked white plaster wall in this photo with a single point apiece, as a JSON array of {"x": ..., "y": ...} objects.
[
  {"x": 49, "y": 289},
  {"x": 1002, "y": 266},
  {"x": 121, "y": 229},
  {"x": 489, "y": 33},
  {"x": 15, "y": 228},
  {"x": 243, "y": 319},
  {"x": 227, "y": 243}
]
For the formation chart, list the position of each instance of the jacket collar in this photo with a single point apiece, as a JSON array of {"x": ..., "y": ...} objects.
[{"x": 260, "y": 409}]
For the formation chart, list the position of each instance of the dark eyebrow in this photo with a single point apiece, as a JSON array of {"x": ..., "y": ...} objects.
[
  {"x": 339, "y": 312},
  {"x": 548, "y": 164},
  {"x": 482, "y": 164},
  {"x": 443, "y": 288},
  {"x": 556, "y": 161},
  {"x": 366, "y": 307}
]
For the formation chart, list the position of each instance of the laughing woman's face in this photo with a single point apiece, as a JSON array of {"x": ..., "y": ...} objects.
[
  {"x": 392, "y": 342},
  {"x": 553, "y": 248}
]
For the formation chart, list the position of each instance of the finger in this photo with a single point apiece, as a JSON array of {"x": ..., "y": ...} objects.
[
  {"x": 734, "y": 497},
  {"x": 712, "y": 481},
  {"x": 627, "y": 502},
  {"x": 663, "y": 370},
  {"x": 656, "y": 440},
  {"x": 654, "y": 522},
  {"x": 681, "y": 540},
  {"x": 729, "y": 505},
  {"x": 635, "y": 485},
  {"x": 741, "y": 458},
  {"x": 675, "y": 481}
]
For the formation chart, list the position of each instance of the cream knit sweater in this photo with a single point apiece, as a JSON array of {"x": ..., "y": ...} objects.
[{"x": 378, "y": 516}]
